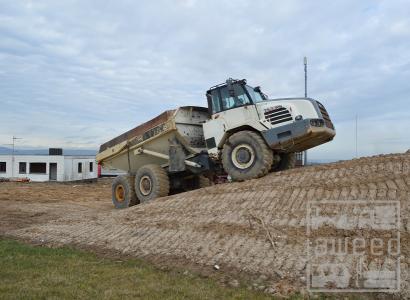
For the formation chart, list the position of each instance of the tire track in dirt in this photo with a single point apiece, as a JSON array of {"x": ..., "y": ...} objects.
[{"x": 213, "y": 226}]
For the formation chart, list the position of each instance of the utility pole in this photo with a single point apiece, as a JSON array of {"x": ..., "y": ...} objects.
[
  {"x": 12, "y": 156},
  {"x": 305, "y": 64},
  {"x": 356, "y": 136}
]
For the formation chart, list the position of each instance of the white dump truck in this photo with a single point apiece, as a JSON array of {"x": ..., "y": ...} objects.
[{"x": 242, "y": 133}]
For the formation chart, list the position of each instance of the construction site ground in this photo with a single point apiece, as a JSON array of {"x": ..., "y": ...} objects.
[{"x": 254, "y": 231}]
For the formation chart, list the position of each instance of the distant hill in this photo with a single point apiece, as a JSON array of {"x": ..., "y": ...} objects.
[
  {"x": 5, "y": 150},
  {"x": 321, "y": 161}
]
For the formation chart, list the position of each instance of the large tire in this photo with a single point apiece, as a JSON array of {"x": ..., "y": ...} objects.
[
  {"x": 246, "y": 155},
  {"x": 287, "y": 161},
  {"x": 151, "y": 181},
  {"x": 123, "y": 193}
]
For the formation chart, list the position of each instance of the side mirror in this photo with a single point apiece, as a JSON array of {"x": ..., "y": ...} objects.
[{"x": 257, "y": 89}]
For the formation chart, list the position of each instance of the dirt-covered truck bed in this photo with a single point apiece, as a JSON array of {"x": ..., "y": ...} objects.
[{"x": 183, "y": 124}]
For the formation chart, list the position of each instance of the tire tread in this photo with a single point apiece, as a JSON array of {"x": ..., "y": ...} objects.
[
  {"x": 267, "y": 156},
  {"x": 128, "y": 182},
  {"x": 159, "y": 190}
]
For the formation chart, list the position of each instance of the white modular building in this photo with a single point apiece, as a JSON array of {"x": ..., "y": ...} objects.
[{"x": 48, "y": 167}]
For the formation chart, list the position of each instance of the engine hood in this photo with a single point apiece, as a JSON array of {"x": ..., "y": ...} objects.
[{"x": 305, "y": 107}]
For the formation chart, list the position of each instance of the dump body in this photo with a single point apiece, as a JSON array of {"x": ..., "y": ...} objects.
[{"x": 183, "y": 124}]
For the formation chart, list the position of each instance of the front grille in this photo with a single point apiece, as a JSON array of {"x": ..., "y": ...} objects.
[
  {"x": 278, "y": 115},
  {"x": 325, "y": 116}
]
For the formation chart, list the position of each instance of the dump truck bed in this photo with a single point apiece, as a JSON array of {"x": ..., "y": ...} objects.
[
  {"x": 139, "y": 130},
  {"x": 183, "y": 124}
]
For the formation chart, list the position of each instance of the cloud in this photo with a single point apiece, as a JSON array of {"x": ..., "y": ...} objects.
[{"x": 77, "y": 73}]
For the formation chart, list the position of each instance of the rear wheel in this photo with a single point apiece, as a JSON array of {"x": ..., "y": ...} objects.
[
  {"x": 246, "y": 156},
  {"x": 123, "y": 193},
  {"x": 151, "y": 181}
]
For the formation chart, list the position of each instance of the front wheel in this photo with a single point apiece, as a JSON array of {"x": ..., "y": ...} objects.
[
  {"x": 151, "y": 181},
  {"x": 246, "y": 155}
]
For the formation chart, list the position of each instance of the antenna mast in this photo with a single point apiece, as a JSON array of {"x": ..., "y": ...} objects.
[
  {"x": 12, "y": 155},
  {"x": 356, "y": 135},
  {"x": 305, "y": 63}
]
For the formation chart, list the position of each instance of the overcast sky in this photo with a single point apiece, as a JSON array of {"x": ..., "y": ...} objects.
[{"x": 74, "y": 74}]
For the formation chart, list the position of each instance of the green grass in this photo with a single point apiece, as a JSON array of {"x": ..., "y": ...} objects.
[{"x": 32, "y": 272}]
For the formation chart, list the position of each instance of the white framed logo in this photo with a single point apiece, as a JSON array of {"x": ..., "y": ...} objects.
[{"x": 353, "y": 246}]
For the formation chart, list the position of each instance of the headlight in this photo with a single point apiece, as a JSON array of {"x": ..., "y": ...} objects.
[
  {"x": 298, "y": 118},
  {"x": 317, "y": 122}
]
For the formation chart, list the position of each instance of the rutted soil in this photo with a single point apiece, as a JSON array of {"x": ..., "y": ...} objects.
[{"x": 256, "y": 227}]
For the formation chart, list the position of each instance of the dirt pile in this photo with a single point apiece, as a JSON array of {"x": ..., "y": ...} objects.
[{"x": 254, "y": 227}]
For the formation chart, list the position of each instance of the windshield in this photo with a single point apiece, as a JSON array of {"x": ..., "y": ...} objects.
[{"x": 256, "y": 96}]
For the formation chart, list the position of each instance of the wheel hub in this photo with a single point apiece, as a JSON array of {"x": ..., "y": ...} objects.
[
  {"x": 145, "y": 185},
  {"x": 243, "y": 156},
  {"x": 119, "y": 193}
]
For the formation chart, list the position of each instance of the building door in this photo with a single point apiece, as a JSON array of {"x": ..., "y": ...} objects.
[{"x": 53, "y": 171}]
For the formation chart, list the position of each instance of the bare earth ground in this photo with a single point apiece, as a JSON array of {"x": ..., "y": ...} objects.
[{"x": 215, "y": 225}]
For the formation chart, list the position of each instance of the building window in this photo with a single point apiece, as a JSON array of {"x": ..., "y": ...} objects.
[
  {"x": 22, "y": 167},
  {"x": 3, "y": 167},
  {"x": 91, "y": 166},
  {"x": 38, "y": 168},
  {"x": 80, "y": 167}
]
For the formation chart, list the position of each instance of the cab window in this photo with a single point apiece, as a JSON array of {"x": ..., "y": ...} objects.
[
  {"x": 237, "y": 99},
  {"x": 256, "y": 96},
  {"x": 214, "y": 98}
]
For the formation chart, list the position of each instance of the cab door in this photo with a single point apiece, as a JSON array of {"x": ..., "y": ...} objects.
[
  {"x": 215, "y": 128},
  {"x": 237, "y": 107},
  {"x": 230, "y": 109}
]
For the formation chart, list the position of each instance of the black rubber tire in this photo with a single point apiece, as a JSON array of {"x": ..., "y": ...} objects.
[
  {"x": 129, "y": 196},
  {"x": 287, "y": 161},
  {"x": 263, "y": 156},
  {"x": 159, "y": 182}
]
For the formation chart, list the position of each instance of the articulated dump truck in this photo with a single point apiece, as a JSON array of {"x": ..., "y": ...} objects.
[{"x": 242, "y": 134}]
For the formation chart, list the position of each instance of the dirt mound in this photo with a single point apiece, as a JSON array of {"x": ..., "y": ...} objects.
[{"x": 254, "y": 227}]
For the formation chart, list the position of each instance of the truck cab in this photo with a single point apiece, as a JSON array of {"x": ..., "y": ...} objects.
[{"x": 286, "y": 125}]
